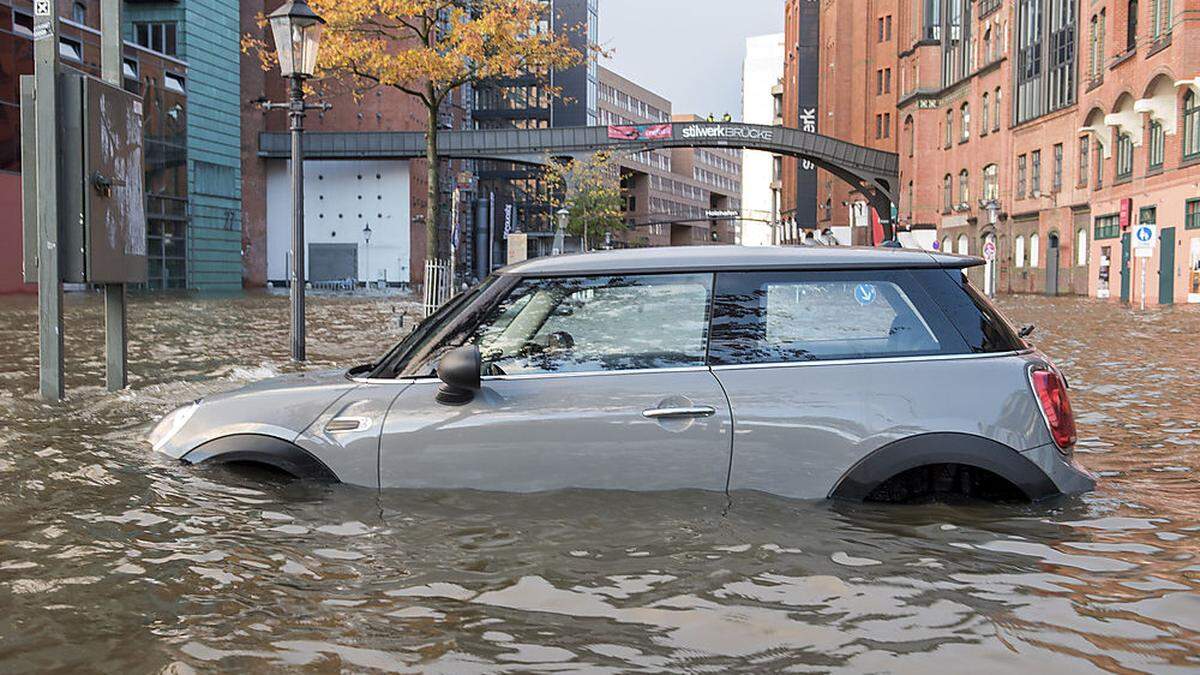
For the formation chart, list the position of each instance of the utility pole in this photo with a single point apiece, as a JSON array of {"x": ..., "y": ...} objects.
[
  {"x": 50, "y": 291},
  {"x": 115, "y": 338}
]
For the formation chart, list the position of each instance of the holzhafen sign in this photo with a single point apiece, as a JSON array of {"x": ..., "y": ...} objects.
[{"x": 719, "y": 131}]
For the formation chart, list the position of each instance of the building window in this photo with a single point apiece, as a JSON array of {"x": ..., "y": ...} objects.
[
  {"x": 1033, "y": 250},
  {"x": 1191, "y": 218},
  {"x": 1131, "y": 26},
  {"x": 1081, "y": 248},
  {"x": 947, "y": 193},
  {"x": 1056, "y": 177},
  {"x": 173, "y": 82},
  {"x": 1108, "y": 227},
  {"x": 1099, "y": 167},
  {"x": 964, "y": 245},
  {"x": 910, "y": 135},
  {"x": 932, "y": 17},
  {"x": 1035, "y": 173},
  {"x": 1084, "y": 156},
  {"x": 1160, "y": 17},
  {"x": 79, "y": 13},
  {"x": 1148, "y": 215},
  {"x": 1191, "y": 125},
  {"x": 987, "y": 45},
  {"x": 949, "y": 128},
  {"x": 1124, "y": 156},
  {"x": 1155, "y": 152},
  {"x": 1062, "y": 53},
  {"x": 964, "y": 188},
  {"x": 984, "y": 113},
  {"x": 964, "y": 123},
  {"x": 887, "y": 24},
  {"x": 1029, "y": 59},
  {"x": 996, "y": 110},
  {"x": 887, "y": 125},
  {"x": 946, "y": 245},
  {"x": 991, "y": 182},
  {"x": 157, "y": 36},
  {"x": 879, "y": 37},
  {"x": 70, "y": 49},
  {"x": 1021, "y": 176},
  {"x": 1019, "y": 252}
]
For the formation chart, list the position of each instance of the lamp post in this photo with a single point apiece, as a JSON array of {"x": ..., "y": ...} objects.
[
  {"x": 367, "y": 231},
  {"x": 297, "y": 31},
  {"x": 560, "y": 235}
]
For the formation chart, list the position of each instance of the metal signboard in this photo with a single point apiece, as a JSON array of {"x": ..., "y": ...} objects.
[
  {"x": 114, "y": 201},
  {"x": 101, "y": 204},
  {"x": 989, "y": 250},
  {"x": 1144, "y": 238}
]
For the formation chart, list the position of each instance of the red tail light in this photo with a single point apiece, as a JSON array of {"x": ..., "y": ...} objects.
[{"x": 1051, "y": 392}]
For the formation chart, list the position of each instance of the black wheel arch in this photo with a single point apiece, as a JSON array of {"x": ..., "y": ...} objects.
[
  {"x": 266, "y": 450},
  {"x": 943, "y": 448}
]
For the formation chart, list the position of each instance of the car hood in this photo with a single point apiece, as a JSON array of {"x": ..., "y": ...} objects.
[{"x": 281, "y": 407}]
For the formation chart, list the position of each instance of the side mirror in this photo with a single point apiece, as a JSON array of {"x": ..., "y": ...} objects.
[{"x": 459, "y": 370}]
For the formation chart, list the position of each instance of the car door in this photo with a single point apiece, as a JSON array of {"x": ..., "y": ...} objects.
[
  {"x": 589, "y": 382},
  {"x": 822, "y": 367}
]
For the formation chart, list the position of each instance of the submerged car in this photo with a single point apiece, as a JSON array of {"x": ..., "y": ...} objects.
[{"x": 876, "y": 374}]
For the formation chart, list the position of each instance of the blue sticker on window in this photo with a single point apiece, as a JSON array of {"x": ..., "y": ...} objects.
[{"x": 865, "y": 294}]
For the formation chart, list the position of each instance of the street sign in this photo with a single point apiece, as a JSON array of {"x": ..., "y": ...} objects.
[
  {"x": 989, "y": 250},
  {"x": 1144, "y": 238}
]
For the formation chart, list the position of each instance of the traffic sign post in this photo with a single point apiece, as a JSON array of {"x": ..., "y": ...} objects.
[{"x": 1145, "y": 236}]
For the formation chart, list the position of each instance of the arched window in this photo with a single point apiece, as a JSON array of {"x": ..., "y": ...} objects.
[
  {"x": 1081, "y": 247},
  {"x": 964, "y": 187},
  {"x": 910, "y": 135},
  {"x": 987, "y": 45},
  {"x": 949, "y": 128},
  {"x": 991, "y": 182},
  {"x": 964, "y": 245},
  {"x": 946, "y": 245},
  {"x": 1191, "y": 125},
  {"x": 964, "y": 122},
  {"x": 984, "y": 113},
  {"x": 947, "y": 193},
  {"x": 1033, "y": 250},
  {"x": 1019, "y": 252}
]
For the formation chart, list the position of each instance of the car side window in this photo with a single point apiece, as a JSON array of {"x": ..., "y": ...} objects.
[
  {"x": 779, "y": 317},
  {"x": 600, "y": 323}
]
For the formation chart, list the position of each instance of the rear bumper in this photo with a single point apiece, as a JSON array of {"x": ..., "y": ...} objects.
[{"x": 1067, "y": 475}]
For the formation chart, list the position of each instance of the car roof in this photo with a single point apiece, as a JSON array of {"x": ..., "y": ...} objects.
[{"x": 749, "y": 258}]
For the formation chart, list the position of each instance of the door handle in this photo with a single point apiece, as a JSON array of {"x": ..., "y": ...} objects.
[{"x": 679, "y": 413}]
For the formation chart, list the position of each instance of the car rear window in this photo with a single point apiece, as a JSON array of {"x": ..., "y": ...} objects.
[
  {"x": 778, "y": 317},
  {"x": 979, "y": 323}
]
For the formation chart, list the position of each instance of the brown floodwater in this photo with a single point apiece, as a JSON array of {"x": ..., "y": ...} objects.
[{"x": 114, "y": 560}]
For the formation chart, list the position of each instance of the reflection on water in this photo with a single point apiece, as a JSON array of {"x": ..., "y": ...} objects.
[{"x": 112, "y": 559}]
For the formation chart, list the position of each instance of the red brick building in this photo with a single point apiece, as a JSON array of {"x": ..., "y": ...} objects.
[{"x": 1050, "y": 130}]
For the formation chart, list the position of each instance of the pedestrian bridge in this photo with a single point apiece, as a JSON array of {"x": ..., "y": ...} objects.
[{"x": 874, "y": 173}]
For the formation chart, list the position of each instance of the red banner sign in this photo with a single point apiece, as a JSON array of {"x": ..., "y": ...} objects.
[
  {"x": 640, "y": 132},
  {"x": 1126, "y": 218}
]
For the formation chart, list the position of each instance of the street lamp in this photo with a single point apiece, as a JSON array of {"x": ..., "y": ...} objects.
[
  {"x": 367, "y": 231},
  {"x": 560, "y": 235},
  {"x": 297, "y": 31}
]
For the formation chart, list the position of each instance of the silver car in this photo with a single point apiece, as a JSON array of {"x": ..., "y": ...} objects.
[{"x": 876, "y": 374}]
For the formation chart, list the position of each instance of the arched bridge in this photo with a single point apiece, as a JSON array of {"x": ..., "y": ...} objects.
[{"x": 872, "y": 172}]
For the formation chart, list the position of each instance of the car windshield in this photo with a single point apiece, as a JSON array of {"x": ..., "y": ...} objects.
[{"x": 397, "y": 357}]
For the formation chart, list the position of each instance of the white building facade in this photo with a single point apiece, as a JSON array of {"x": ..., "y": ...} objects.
[
  {"x": 762, "y": 72},
  {"x": 356, "y": 221}
]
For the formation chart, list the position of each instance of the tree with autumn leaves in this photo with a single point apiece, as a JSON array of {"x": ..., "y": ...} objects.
[
  {"x": 589, "y": 187},
  {"x": 428, "y": 49}
]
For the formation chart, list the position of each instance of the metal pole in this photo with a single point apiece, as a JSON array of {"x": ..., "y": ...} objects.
[
  {"x": 1142, "y": 266},
  {"x": 50, "y": 298},
  {"x": 296, "y": 115},
  {"x": 116, "y": 374}
]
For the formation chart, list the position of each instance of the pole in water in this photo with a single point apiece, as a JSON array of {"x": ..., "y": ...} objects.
[
  {"x": 50, "y": 293},
  {"x": 116, "y": 340},
  {"x": 296, "y": 113}
]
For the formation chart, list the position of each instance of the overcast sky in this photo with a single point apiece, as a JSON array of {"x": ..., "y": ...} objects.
[{"x": 689, "y": 51}]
